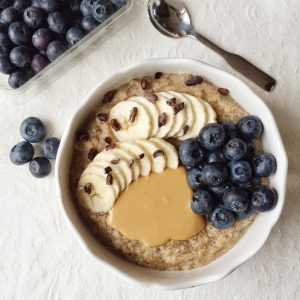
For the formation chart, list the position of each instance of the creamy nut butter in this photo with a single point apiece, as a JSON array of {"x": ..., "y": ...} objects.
[{"x": 155, "y": 209}]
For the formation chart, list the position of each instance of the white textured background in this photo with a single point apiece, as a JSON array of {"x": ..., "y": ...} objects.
[{"x": 40, "y": 258}]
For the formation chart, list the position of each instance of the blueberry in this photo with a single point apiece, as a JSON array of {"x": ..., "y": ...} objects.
[
  {"x": 40, "y": 167},
  {"x": 264, "y": 164},
  {"x": 34, "y": 17},
  {"x": 221, "y": 189},
  {"x": 231, "y": 130},
  {"x": 21, "y": 153},
  {"x": 20, "y": 56},
  {"x": 195, "y": 178},
  {"x": 203, "y": 202},
  {"x": 236, "y": 199},
  {"x": 5, "y": 3},
  {"x": 38, "y": 62},
  {"x": 118, "y": 3},
  {"x": 190, "y": 153},
  {"x": 240, "y": 171},
  {"x": 245, "y": 214},
  {"x": 250, "y": 150},
  {"x": 89, "y": 2},
  {"x": 41, "y": 38},
  {"x": 21, "y": 5},
  {"x": 49, "y": 147},
  {"x": 19, "y": 33},
  {"x": 18, "y": 78},
  {"x": 88, "y": 23},
  {"x": 33, "y": 130},
  {"x": 74, "y": 5},
  {"x": 212, "y": 136},
  {"x": 221, "y": 218},
  {"x": 47, "y": 5},
  {"x": 6, "y": 67},
  {"x": 102, "y": 10},
  {"x": 235, "y": 149},
  {"x": 4, "y": 51},
  {"x": 74, "y": 35},
  {"x": 263, "y": 198},
  {"x": 9, "y": 15},
  {"x": 250, "y": 127},
  {"x": 248, "y": 185},
  {"x": 55, "y": 49},
  {"x": 85, "y": 9},
  {"x": 217, "y": 157},
  {"x": 57, "y": 22},
  {"x": 214, "y": 174}
]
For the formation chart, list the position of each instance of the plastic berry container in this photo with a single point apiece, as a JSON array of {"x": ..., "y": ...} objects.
[{"x": 70, "y": 57}]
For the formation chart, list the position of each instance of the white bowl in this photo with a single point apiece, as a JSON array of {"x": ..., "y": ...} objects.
[{"x": 257, "y": 233}]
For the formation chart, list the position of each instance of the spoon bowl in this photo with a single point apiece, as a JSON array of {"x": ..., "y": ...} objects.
[{"x": 172, "y": 20}]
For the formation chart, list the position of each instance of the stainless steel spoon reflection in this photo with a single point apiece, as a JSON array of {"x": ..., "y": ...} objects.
[{"x": 171, "y": 18}]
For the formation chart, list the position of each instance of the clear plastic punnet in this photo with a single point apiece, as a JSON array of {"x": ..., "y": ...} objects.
[{"x": 72, "y": 56}]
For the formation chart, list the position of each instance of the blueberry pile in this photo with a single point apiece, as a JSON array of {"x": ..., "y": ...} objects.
[
  {"x": 34, "y": 33},
  {"x": 225, "y": 172},
  {"x": 34, "y": 131}
]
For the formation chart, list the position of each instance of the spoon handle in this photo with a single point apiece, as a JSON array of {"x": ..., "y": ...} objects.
[{"x": 240, "y": 64}]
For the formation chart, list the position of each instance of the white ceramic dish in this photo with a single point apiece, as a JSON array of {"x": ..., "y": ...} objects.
[{"x": 255, "y": 236}]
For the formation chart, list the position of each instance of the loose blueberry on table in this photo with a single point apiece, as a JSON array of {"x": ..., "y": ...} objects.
[
  {"x": 34, "y": 33},
  {"x": 33, "y": 130},
  {"x": 225, "y": 172}
]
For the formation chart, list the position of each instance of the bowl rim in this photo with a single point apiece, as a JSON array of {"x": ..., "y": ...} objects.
[{"x": 79, "y": 235}]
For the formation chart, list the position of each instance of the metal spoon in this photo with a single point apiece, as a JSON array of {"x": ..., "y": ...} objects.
[{"x": 171, "y": 18}]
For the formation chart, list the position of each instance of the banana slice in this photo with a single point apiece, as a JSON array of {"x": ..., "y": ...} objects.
[
  {"x": 211, "y": 114},
  {"x": 122, "y": 162},
  {"x": 156, "y": 154},
  {"x": 144, "y": 159},
  {"x": 152, "y": 111},
  {"x": 179, "y": 117},
  {"x": 116, "y": 171},
  {"x": 163, "y": 107},
  {"x": 128, "y": 158},
  {"x": 94, "y": 194},
  {"x": 169, "y": 150},
  {"x": 125, "y": 126},
  {"x": 190, "y": 115},
  {"x": 200, "y": 112}
]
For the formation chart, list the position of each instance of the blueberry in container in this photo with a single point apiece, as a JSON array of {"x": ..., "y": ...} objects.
[{"x": 52, "y": 42}]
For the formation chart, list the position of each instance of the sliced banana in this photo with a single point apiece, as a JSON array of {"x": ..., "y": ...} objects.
[
  {"x": 169, "y": 150},
  {"x": 138, "y": 127},
  {"x": 199, "y": 109},
  {"x": 152, "y": 111},
  {"x": 94, "y": 194},
  {"x": 190, "y": 117},
  {"x": 116, "y": 171},
  {"x": 179, "y": 118},
  {"x": 143, "y": 159},
  {"x": 128, "y": 158},
  {"x": 163, "y": 107},
  {"x": 158, "y": 159},
  {"x": 211, "y": 114},
  {"x": 122, "y": 163}
]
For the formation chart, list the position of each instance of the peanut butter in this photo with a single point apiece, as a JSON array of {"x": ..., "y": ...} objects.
[{"x": 155, "y": 209}]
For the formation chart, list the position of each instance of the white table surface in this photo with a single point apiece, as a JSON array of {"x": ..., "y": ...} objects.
[{"x": 40, "y": 258}]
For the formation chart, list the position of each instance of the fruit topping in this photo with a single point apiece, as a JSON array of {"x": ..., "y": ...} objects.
[
  {"x": 40, "y": 167},
  {"x": 222, "y": 165}
]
